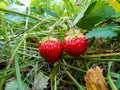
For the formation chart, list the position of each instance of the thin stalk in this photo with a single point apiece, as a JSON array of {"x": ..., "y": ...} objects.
[
  {"x": 55, "y": 86},
  {"x": 18, "y": 75},
  {"x": 26, "y": 26},
  {"x": 110, "y": 81},
  {"x": 73, "y": 67},
  {"x": 101, "y": 55},
  {"x": 85, "y": 63},
  {"x": 34, "y": 87},
  {"x": 4, "y": 31},
  {"x": 104, "y": 59},
  {"x": 13, "y": 68},
  {"x": 75, "y": 81},
  {"x": 22, "y": 14}
]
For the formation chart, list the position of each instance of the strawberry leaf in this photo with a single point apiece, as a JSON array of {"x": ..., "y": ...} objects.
[
  {"x": 96, "y": 12},
  {"x": 101, "y": 33}
]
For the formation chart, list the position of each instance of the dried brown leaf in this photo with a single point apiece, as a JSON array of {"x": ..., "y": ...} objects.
[{"x": 95, "y": 80}]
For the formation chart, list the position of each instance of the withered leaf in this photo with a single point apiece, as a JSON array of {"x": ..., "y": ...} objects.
[{"x": 95, "y": 80}]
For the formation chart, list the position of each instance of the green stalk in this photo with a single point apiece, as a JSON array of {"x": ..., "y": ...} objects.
[
  {"x": 72, "y": 78},
  {"x": 26, "y": 26},
  {"x": 5, "y": 31},
  {"x": 101, "y": 55},
  {"x": 55, "y": 86},
  {"x": 110, "y": 81},
  {"x": 22, "y": 14},
  {"x": 75, "y": 81},
  {"x": 73, "y": 67},
  {"x": 18, "y": 75}
]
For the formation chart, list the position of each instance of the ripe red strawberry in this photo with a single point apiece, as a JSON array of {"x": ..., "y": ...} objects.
[
  {"x": 50, "y": 50},
  {"x": 77, "y": 4},
  {"x": 74, "y": 43}
]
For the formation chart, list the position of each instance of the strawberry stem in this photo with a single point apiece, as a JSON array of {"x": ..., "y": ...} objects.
[
  {"x": 49, "y": 36},
  {"x": 73, "y": 30}
]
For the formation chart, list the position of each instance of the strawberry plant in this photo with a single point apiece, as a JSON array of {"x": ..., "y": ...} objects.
[{"x": 86, "y": 35}]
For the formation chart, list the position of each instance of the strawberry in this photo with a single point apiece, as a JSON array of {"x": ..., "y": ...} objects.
[
  {"x": 77, "y": 4},
  {"x": 50, "y": 49},
  {"x": 74, "y": 43}
]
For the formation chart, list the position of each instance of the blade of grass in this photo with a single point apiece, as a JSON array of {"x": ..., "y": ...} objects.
[
  {"x": 110, "y": 81},
  {"x": 72, "y": 78},
  {"x": 4, "y": 31},
  {"x": 105, "y": 59},
  {"x": 73, "y": 67},
  {"x": 18, "y": 75},
  {"x": 53, "y": 76},
  {"x": 75, "y": 81},
  {"x": 101, "y": 55},
  {"x": 115, "y": 75},
  {"x": 22, "y": 66}
]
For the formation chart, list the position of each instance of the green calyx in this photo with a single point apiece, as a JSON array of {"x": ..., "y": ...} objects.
[
  {"x": 48, "y": 38},
  {"x": 73, "y": 34}
]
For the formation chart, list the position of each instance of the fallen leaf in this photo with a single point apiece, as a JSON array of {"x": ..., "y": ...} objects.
[{"x": 95, "y": 80}]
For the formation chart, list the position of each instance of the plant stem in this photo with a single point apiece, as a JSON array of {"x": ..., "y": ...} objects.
[
  {"x": 73, "y": 67},
  {"x": 101, "y": 55},
  {"x": 110, "y": 81},
  {"x": 55, "y": 86},
  {"x": 15, "y": 12},
  {"x": 5, "y": 31},
  {"x": 75, "y": 81},
  {"x": 18, "y": 75}
]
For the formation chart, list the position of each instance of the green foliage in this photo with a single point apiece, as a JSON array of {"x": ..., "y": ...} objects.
[
  {"x": 50, "y": 12},
  {"x": 118, "y": 83},
  {"x": 13, "y": 85},
  {"x": 97, "y": 12},
  {"x": 14, "y": 17},
  {"x": 101, "y": 33},
  {"x": 2, "y": 5}
]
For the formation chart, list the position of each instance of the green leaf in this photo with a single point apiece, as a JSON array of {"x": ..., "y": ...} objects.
[
  {"x": 81, "y": 14},
  {"x": 13, "y": 85},
  {"x": 18, "y": 75},
  {"x": 41, "y": 81},
  {"x": 15, "y": 17},
  {"x": 101, "y": 33},
  {"x": 69, "y": 7},
  {"x": 96, "y": 12},
  {"x": 118, "y": 83},
  {"x": 36, "y": 3},
  {"x": 50, "y": 12},
  {"x": 2, "y": 5}
]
